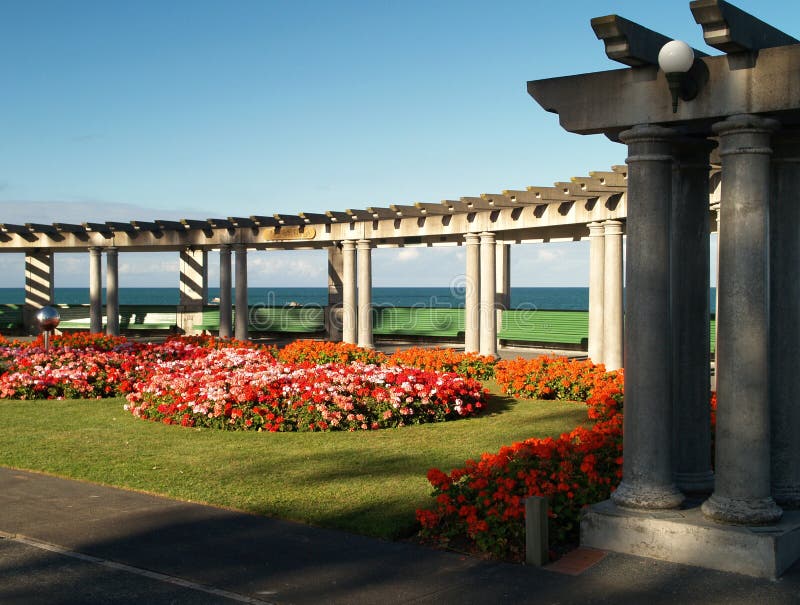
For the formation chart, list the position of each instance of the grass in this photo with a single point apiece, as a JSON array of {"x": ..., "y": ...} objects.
[{"x": 365, "y": 482}]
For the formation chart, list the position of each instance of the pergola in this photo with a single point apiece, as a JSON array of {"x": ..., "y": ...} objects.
[
  {"x": 591, "y": 206},
  {"x": 747, "y": 103}
]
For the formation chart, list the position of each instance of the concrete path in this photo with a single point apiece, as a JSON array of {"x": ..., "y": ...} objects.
[{"x": 68, "y": 542}]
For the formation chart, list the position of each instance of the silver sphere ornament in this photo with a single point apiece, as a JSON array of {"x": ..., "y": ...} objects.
[{"x": 48, "y": 318}]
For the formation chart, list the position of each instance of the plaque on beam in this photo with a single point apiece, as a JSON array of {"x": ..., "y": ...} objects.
[{"x": 288, "y": 233}]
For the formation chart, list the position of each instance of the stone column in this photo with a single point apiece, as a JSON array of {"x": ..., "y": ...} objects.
[
  {"x": 647, "y": 481},
  {"x": 742, "y": 490},
  {"x": 785, "y": 319},
  {"x": 365, "y": 294},
  {"x": 333, "y": 313},
  {"x": 502, "y": 299},
  {"x": 472, "y": 301},
  {"x": 193, "y": 287},
  {"x": 349, "y": 293},
  {"x": 225, "y": 304},
  {"x": 690, "y": 317},
  {"x": 39, "y": 285},
  {"x": 488, "y": 321},
  {"x": 112, "y": 292},
  {"x": 596, "y": 283},
  {"x": 613, "y": 316},
  {"x": 242, "y": 314},
  {"x": 95, "y": 290}
]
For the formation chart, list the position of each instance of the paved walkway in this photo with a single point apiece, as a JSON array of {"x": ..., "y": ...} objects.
[{"x": 65, "y": 542}]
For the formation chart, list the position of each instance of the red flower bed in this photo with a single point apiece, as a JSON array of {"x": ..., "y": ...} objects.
[
  {"x": 202, "y": 381},
  {"x": 245, "y": 389},
  {"x": 483, "y": 502}
]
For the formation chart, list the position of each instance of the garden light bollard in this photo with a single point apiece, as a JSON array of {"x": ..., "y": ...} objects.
[
  {"x": 48, "y": 319},
  {"x": 536, "y": 539}
]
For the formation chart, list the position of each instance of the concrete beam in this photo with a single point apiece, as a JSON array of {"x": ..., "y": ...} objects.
[
  {"x": 732, "y": 30},
  {"x": 628, "y": 42},
  {"x": 622, "y": 98}
]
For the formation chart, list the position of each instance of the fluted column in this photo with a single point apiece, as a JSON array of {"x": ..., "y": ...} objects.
[
  {"x": 333, "y": 314},
  {"x": 95, "y": 291},
  {"x": 488, "y": 330},
  {"x": 242, "y": 314},
  {"x": 742, "y": 490},
  {"x": 472, "y": 301},
  {"x": 112, "y": 292},
  {"x": 596, "y": 283},
  {"x": 785, "y": 319},
  {"x": 349, "y": 293},
  {"x": 225, "y": 304},
  {"x": 647, "y": 481},
  {"x": 365, "y": 294},
  {"x": 690, "y": 313},
  {"x": 613, "y": 315}
]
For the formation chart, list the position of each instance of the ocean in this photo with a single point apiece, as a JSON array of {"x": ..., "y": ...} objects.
[{"x": 576, "y": 299}]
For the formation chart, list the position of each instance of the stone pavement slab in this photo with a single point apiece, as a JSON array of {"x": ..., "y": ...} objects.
[{"x": 225, "y": 556}]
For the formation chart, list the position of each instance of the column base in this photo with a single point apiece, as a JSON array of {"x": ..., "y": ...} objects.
[
  {"x": 686, "y": 536},
  {"x": 647, "y": 497},
  {"x": 695, "y": 483},
  {"x": 740, "y": 511}
]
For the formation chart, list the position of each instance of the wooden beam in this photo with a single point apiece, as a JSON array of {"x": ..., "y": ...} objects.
[
  {"x": 406, "y": 211},
  {"x": 432, "y": 209},
  {"x": 382, "y": 213},
  {"x": 314, "y": 218},
  {"x": 289, "y": 219}
]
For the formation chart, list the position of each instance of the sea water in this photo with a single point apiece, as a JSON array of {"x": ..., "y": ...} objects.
[{"x": 576, "y": 299}]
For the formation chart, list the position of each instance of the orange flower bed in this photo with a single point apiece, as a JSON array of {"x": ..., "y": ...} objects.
[
  {"x": 484, "y": 501},
  {"x": 471, "y": 365}
]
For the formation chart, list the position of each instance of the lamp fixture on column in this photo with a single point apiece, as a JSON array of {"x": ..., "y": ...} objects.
[{"x": 676, "y": 59}]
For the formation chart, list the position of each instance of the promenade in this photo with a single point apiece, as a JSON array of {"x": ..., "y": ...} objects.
[{"x": 68, "y": 542}]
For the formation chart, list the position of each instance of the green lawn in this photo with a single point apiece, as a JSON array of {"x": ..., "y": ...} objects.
[{"x": 366, "y": 482}]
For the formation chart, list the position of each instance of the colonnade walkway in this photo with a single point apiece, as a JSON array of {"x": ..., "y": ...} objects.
[{"x": 65, "y": 541}]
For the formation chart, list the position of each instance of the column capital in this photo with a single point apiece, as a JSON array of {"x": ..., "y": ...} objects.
[
  {"x": 225, "y": 247},
  {"x": 239, "y": 248},
  {"x": 643, "y": 133},
  {"x": 111, "y": 249},
  {"x": 612, "y": 227},
  {"x": 349, "y": 244},
  {"x": 595, "y": 228},
  {"x": 364, "y": 244},
  {"x": 487, "y": 237},
  {"x": 745, "y": 123},
  {"x": 472, "y": 239}
]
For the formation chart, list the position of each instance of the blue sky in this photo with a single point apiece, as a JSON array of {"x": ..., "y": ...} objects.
[{"x": 138, "y": 110}]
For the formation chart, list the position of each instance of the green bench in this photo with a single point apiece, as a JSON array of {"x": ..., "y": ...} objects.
[
  {"x": 10, "y": 317},
  {"x": 209, "y": 321},
  {"x": 148, "y": 317},
  {"x": 303, "y": 320},
  {"x": 418, "y": 321},
  {"x": 295, "y": 320},
  {"x": 546, "y": 327},
  {"x": 131, "y": 317},
  {"x": 713, "y": 336}
]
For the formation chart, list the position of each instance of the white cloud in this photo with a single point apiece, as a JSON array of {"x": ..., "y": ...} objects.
[{"x": 408, "y": 254}]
